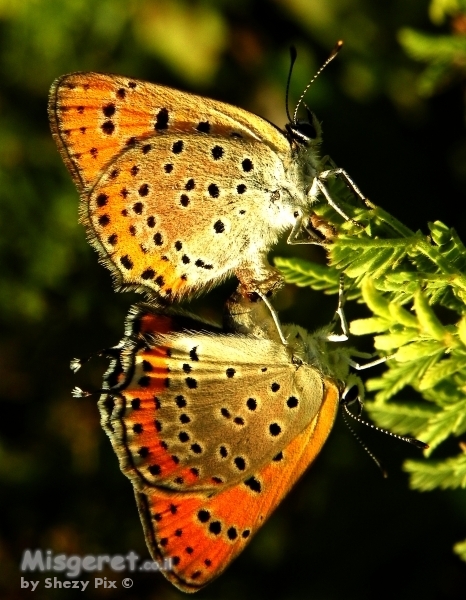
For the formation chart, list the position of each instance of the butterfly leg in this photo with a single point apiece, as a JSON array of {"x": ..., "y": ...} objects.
[
  {"x": 340, "y": 315},
  {"x": 335, "y": 171},
  {"x": 299, "y": 226},
  {"x": 274, "y": 315},
  {"x": 253, "y": 314},
  {"x": 373, "y": 363},
  {"x": 319, "y": 184}
]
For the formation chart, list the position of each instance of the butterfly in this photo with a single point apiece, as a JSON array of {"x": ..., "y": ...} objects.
[
  {"x": 214, "y": 426},
  {"x": 179, "y": 191}
]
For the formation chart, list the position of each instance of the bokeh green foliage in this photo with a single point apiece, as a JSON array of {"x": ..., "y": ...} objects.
[
  {"x": 444, "y": 55},
  {"x": 61, "y": 486}
]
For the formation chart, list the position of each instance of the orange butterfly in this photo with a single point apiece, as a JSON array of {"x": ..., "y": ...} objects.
[
  {"x": 179, "y": 191},
  {"x": 214, "y": 428}
]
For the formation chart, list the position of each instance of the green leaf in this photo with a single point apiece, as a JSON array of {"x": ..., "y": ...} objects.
[
  {"x": 449, "y": 421},
  {"x": 394, "y": 341},
  {"x": 361, "y": 256},
  {"x": 402, "y": 417},
  {"x": 307, "y": 274},
  {"x": 377, "y": 303},
  {"x": 462, "y": 330},
  {"x": 441, "y": 370},
  {"x": 427, "y": 319},
  {"x": 420, "y": 349},
  {"x": 424, "y": 47},
  {"x": 370, "y": 325},
  {"x": 402, "y": 316},
  {"x": 428, "y": 475},
  {"x": 398, "y": 376}
]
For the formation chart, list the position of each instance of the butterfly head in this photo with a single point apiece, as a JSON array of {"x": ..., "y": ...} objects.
[
  {"x": 332, "y": 360},
  {"x": 305, "y": 132}
]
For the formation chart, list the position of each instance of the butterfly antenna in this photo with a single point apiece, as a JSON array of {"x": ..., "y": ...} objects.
[
  {"x": 77, "y": 363},
  {"x": 293, "y": 55},
  {"x": 404, "y": 438},
  {"x": 78, "y": 392},
  {"x": 333, "y": 53},
  {"x": 359, "y": 440}
]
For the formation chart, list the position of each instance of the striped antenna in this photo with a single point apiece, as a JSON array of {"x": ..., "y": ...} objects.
[{"x": 333, "y": 53}]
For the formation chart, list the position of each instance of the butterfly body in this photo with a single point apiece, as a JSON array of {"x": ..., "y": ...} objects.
[
  {"x": 213, "y": 429},
  {"x": 179, "y": 191}
]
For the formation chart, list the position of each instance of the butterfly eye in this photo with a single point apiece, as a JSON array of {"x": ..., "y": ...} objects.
[
  {"x": 306, "y": 129},
  {"x": 351, "y": 397}
]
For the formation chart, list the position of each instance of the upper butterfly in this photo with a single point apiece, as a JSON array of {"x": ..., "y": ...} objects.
[{"x": 179, "y": 191}]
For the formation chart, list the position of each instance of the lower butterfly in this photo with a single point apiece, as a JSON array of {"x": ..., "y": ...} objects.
[
  {"x": 213, "y": 428},
  {"x": 180, "y": 191}
]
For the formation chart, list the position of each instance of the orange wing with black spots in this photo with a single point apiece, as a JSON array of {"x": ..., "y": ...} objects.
[
  {"x": 94, "y": 117},
  {"x": 212, "y": 430},
  {"x": 177, "y": 191},
  {"x": 203, "y": 411},
  {"x": 203, "y": 533}
]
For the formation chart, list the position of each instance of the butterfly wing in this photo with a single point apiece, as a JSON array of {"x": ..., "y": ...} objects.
[
  {"x": 195, "y": 512},
  {"x": 177, "y": 190},
  {"x": 203, "y": 533},
  {"x": 203, "y": 412},
  {"x": 94, "y": 117},
  {"x": 181, "y": 210}
]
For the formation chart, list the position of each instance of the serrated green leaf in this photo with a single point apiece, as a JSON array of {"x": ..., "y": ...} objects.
[
  {"x": 441, "y": 234},
  {"x": 451, "y": 247},
  {"x": 307, "y": 274},
  {"x": 445, "y": 393},
  {"x": 401, "y": 315},
  {"x": 368, "y": 259},
  {"x": 450, "y": 421},
  {"x": 441, "y": 370},
  {"x": 420, "y": 349},
  {"x": 462, "y": 331},
  {"x": 400, "y": 293},
  {"x": 373, "y": 261},
  {"x": 401, "y": 417},
  {"x": 427, "y": 318},
  {"x": 397, "y": 377},
  {"x": 375, "y": 301},
  {"x": 428, "y": 475},
  {"x": 394, "y": 341},
  {"x": 370, "y": 325},
  {"x": 436, "y": 295}
]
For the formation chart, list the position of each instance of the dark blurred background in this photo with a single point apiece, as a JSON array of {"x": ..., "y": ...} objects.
[{"x": 343, "y": 532}]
